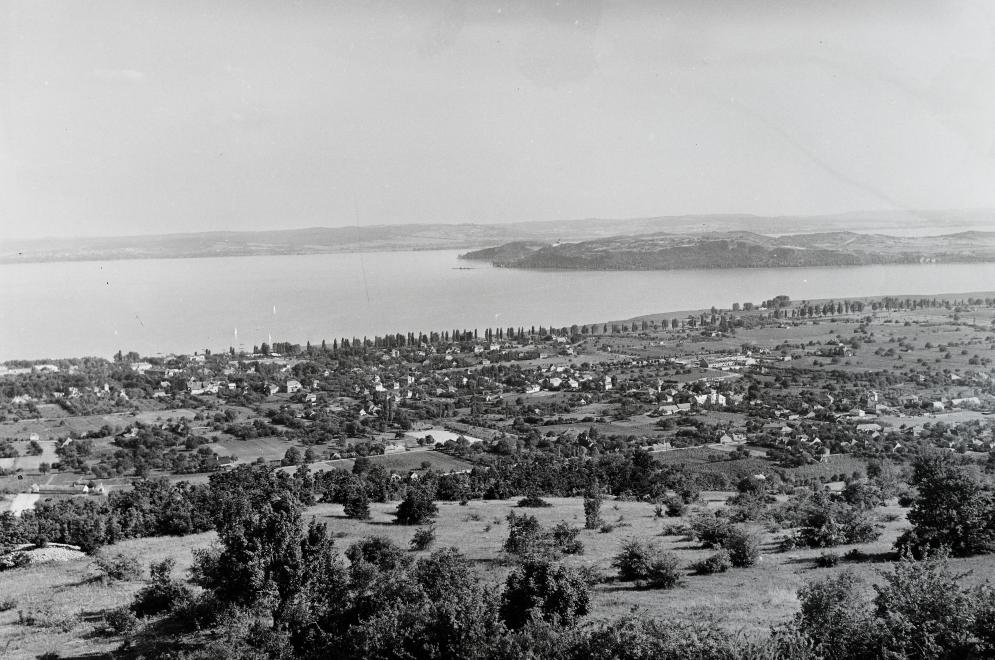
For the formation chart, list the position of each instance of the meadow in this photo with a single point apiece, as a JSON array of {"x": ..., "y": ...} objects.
[{"x": 65, "y": 603}]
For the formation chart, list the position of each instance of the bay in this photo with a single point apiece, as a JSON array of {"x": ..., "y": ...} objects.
[{"x": 69, "y": 309}]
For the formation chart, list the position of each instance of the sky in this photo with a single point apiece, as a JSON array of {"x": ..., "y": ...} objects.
[{"x": 127, "y": 117}]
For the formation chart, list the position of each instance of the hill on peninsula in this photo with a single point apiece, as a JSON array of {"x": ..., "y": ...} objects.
[{"x": 739, "y": 249}]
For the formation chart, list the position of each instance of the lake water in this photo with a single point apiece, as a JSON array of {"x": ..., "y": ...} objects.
[{"x": 52, "y": 310}]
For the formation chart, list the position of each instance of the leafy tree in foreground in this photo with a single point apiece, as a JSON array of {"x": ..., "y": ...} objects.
[
  {"x": 378, "y": 551},
  {"x": 423, "y": 538},
  {"x": 357, "y": 504},
  {"x": 952, "y": 509},
  {"x": 262, "y": 555},
  {"x": 920, "y": 612},
  {"x": 540, "y": 588},
  {"x": 417, "y": 508}
]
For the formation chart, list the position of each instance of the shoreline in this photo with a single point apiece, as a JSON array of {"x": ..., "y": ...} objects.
[{"x": 652, "y": 316}]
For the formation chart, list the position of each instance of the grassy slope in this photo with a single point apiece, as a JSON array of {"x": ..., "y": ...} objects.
[
  {"x": 747, "y": 600},
  {"x": 69, "y": 601}
]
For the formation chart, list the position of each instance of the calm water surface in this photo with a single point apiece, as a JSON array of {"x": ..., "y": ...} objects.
[{"x": 182, "y": 305}]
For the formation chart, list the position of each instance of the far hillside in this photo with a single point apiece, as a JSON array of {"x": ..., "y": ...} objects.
[{"x": 665, "y": 251}]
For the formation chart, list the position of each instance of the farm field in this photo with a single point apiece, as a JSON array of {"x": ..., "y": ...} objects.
[
  {"x": 440, "y": 436},
  {"x": 252, "y": 449},
  {"x": 407, "y": 461},
  {"x": 60, "y": 427}
]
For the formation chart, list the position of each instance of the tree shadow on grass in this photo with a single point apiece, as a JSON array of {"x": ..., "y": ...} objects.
[
  {"x": 84, "y": 582},
  {"x": 843, "y": 559}
]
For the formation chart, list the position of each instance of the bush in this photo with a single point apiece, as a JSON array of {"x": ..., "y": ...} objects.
[
  {"x": 710, "y": 530},
  {"x": 556, "y": 593},
  {"x": 48, "y": 615},
  {"x": 664, "y": 572},
  {"x": 835, "y": 618},
  {"x": 378, "y": 551},
  {"x": 525, "y": 535},
  {"x": 423, "y": 538},
  {"x": 825, "y": 522},
  {"x": 163, "y": 593},
  {"x": 926, "y": 613},
  {"x": 592, "y": 510},
  {"x": 676, "y": 529},
  {"x": 533, "y": 501},
  {"x": 121, "y": 620},
  {"x": 920, "y": 612},
  {"x": 565, "y": 539},
  {"x": 118, "y": 566},
  {"x": 14, "y": 560},
  {"x": 675, "y": 506},
  {"x": 827, "y": 560},
  {"x": 641, "y": 638},
  {"x": 720, "y": 562},
  {"x": 6, "y": 605},
  {"x": 647, "y": 564},
  {"x": 743, "y": 547}
]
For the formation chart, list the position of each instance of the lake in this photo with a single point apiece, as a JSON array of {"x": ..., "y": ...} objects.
[{"x": 69, "y": 309}]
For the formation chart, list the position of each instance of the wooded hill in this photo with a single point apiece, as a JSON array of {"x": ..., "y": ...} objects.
[{"x": 665, "y": 251}]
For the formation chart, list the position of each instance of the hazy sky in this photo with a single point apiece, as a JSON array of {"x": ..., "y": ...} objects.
[{"x": 138, "y": 117}]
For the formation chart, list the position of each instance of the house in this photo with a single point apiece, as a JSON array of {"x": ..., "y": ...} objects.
[
  {"x": 869, "y": 428},
  {"x": 196, "y": 387},
  {"x": 293, "y": 386},
  {"x": 669, "y": 409},
  {"x": 966, "y": 402},
  {"x": 870, "y": 399}
]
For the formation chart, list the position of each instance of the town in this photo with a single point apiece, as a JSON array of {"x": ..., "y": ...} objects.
[{"x": 671, "y": 423}]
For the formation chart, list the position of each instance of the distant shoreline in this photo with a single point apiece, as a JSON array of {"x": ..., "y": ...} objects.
[
  {"x": 473, "y": 236},
  {"x": 653, "y": 316}
]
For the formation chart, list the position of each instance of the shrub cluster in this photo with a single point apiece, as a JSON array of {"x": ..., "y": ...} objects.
[
  {"x": 118, "y": 566},
  {"x": 647, "y": 565},
  {"x": 714, "y": 531},
  {"x": 720, "y": 562},
  {"x": 423, "y": 538},
  {"x": 527, "y": 537}
]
